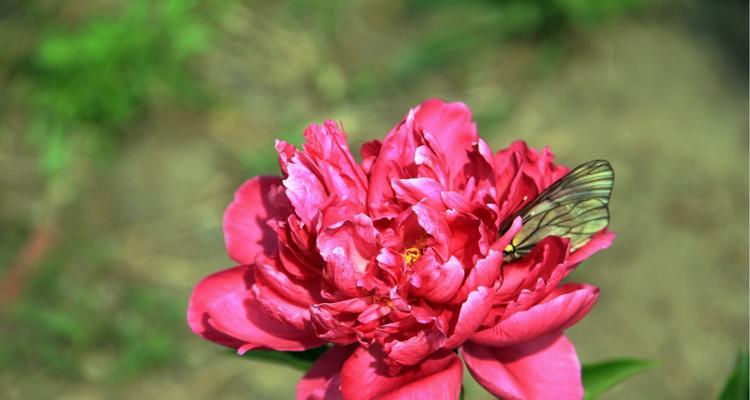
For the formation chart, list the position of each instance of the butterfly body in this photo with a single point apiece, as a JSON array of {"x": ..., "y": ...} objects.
[{"x": 573, "y": 207}]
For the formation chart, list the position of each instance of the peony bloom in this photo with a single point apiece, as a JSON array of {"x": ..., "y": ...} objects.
[{"x": 395, "y": 262}]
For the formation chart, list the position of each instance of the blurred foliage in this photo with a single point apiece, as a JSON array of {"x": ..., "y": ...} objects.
[
  {"x": 80, "y": 326},
  {"x": 446, "y": 38},
  {"x": 467, "y": 27},
  {"x": 88, "y": 81},
  {"x": 84, "y": 77},
  {"x": 301, "y": 360},
  {"x": 600, "y": 377},
  {"x": 737, "y": 387},
  {"x": 727, "y": 21}
]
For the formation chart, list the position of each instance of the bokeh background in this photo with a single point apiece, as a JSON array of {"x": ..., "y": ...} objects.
[{"x": 125, "y": 127}]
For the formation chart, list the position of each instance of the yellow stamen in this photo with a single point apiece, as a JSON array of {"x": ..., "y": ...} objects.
[{"x": 411, "y": 255}]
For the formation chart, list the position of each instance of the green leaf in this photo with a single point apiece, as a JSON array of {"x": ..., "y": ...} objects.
[
  {"x": 737, "y": 384},
  {"x": 600, "y": 377},
  {"x": 301, "y": 360}
]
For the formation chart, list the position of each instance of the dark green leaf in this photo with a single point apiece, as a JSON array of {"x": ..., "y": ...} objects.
[
  {"x": 301, "y": 360},
  {"x": 737, "y": 384},
  {"x": 600, "y": 377}
]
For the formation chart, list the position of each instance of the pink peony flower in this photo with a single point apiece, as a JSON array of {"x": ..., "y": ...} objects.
[{"x": 396, "y": 263}]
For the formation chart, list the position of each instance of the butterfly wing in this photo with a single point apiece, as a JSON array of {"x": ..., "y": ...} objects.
[{"x": 574, "y": 207}]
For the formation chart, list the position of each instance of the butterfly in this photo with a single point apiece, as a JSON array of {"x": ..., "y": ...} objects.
[{"x": 573, "y": 207}]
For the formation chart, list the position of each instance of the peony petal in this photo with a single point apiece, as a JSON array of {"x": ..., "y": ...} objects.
[
  {"x": 208, "y": 290},
  {"x": 466, "y": 242},
  {"x": 538, "y": 166},
  {"x": 429, "y": 161},
  {"x": 395, "y": 161},
  {"x": 486, "y": 272},
  {"x": 507, "y": 164},
  {"x": 271, "y": 298},
  {"x": 473, "y": 313},
  {"x": 521, "y": 191},
  {"x": 451, "y": 124},
  {"x": 369, "y": 152},
  {"x": 545, "y": 368},
  {"x": 451, "y": 133},
  {"x": 433, "y": 220},
  {"x": 365, "y": 376},
  {"x": 528, "y": 280},
  {"x": 304, "y": 189},
  {"x": 224, "y": 309},
  {"x": 565, "y": 306},
  {"x": 325, "y": 175},
  {"x": 481, "y": 169},
  {"x": 246, "y": 221},
  {"x": 285, "y": 153},
  {"x": 414, "y": 190},
  {"x": 600, "y": 241},
  {"x": 334, "y": 322},
  {"x": 326, "y": 146},
  {"x": 273, "y": 275},
  {"x": 323, "y": 380},
  {"x": 348, "y": 249},
  {"x": 437, "y": 282},
  {"x": 413, "y": 350}
]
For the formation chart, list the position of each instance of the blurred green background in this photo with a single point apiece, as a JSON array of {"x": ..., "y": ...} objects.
[{"x": 125, "y": 127}]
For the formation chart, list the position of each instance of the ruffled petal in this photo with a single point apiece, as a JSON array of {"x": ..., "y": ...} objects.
[
  {"x": 600, "y": 241},
  {"x": 437, "y": 282},
  {"x": 545, "y": 368},
  {"x": 563, "y": 308},
  {"x": 414, "y": 190},
  {"x": 473, "y": 313},
  {"x": 533, "y": 277},
  {"x": 451, "y": 124},
  {"x": 348, "y": 249},
  {"x": 335, "y": 322},
  {"x": 413, "y": 350},
  {"x": 369, "y": 153},
  {"x": 444, "y": 130},
  {"x": 486, "y": 272},
  {"x": 247, "y": 232},
  {"x": 365, "y": 376},
  {"x": 224, "y": 307},
  {"x": 324, "y": 179},
  {"x": 271, "y": 274},
  {"x": 206, "y": 292},
  {"x": 395, "y": 161},
  {"x": 304, "y": 190},
  {"x": 323, "y": 380},
  {"x": 538, "y": 165}
]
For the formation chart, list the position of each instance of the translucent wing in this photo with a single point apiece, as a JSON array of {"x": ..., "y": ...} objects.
[{"x": 574, "y": 207}]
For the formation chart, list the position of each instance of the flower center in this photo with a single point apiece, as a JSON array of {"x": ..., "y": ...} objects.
[{"x": 411, "y": 255}]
